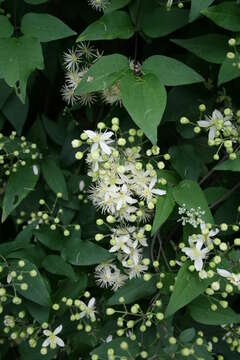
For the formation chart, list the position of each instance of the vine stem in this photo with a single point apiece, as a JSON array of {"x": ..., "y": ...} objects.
[{"x": 138, "y": 19}]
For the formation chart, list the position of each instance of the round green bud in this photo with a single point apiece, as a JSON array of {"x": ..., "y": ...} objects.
[
  {"x": 76, "y": 143},
  {"x": 184, "y": 120},
  {"x": 115, "y": 121},
  {"x": 230, "y": 55},
  {"x": 121, "y": 142},
  {"x": 197, "y": 129},
  {"x": 232, "y": 42},
  {"x": 172, "y": 340},
  {"x": 79, "y": 155},
  {"x": 202, "y": 107},
  {"x": 124, "y": 345},
  {"x": 110, "y": 311}
]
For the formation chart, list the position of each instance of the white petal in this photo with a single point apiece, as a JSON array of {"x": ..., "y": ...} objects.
[
  {"x": 224, "y": 273},
  {"x": 58, "y": 330},
  {"x": 82, "y": 314},
  {"x": 212, "y": 133},
  {"x": 105, "y": 148},
  {"x": 35, "y": 170},
  {"x": 217, "y": 115},
  {"x": 46, "y": 342},
  {"x": 107, "y": 135},
  {"x": 91, "y": 134},
  {"x": 91, "y": 302},
  {"x": 47, "y": 332},
  {"x": 204, "y": 123},
  {"x": 198, "y": 263},
  {"x": 59, "y": 341},
  {"x": 159, "y": 192}
]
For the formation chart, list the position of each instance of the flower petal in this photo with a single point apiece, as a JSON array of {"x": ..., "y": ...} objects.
[{"x": 58, "y": 330}]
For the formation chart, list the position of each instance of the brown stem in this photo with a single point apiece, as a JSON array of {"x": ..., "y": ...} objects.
[{"x": 225, "y": 196}]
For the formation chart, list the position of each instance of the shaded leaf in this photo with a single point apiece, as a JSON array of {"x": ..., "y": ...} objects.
[
  {"x": 202, "y": 46},
  {"x": 200, "y": 311},
  {"x": 177, "y": 72},
  {"x": 145, "y": 100},
  {"x": 197, "y": 6},
  {"x": 16, "y": 112},
  {"x": 19, "y": 185},
  {"x": 19, "y": 58},
  {"x": 115, "y": 25},
  {"x": 134, "y": 290},
  {"x": 6, "y": 28},
  {"x": 103, "y": 73},
  {"x": 164, "y": 207},
  {"x": 229, "y": 165},
  {"x": 188, "y": 286},
  {"x": 115, "y": 5},
  {"x": 37, "y": 291},
  {"x": 54, "y": 177},
  {"x": 45, "y": 27},
  {"x": 226, "y": 15},
  {"x": 227, "y": 72},
  {"x": 56, "y": 265}
]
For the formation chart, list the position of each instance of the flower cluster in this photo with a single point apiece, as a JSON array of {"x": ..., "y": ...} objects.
[
  {"x": 125, "y": 189},
  {"x": 234, "y": 55},
  {"x": 223, "y": 130},
  {"x": 48, "y": 215},
  {"x": 16, "y": 152},
  {"x": 77, "y": 62}
]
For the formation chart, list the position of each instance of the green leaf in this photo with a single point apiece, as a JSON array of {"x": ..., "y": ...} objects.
[
  {"x": 16, "y": 112},
  {"x": 226, "y": 15},
  {"x": 19, "y": 185},
  {"x": 73, "y": 289},
  {"x": 84, "y": 252},
  {"x": 53, "y": 240},
  {"x": 200, "y": 311},
  {"x": 35, "y": 2},
  {"x": 230, "y": 165},
  {"x": 185, "y": 161},
  {"x": 158, "y": 22},
  {"x": 202, "y": 46},
  {"x": 39, "y": 313},
  {"x": 37, "y": 291},
  {"x": 54, "y": 177},
  {"x": 177, "y": 74},
  {"x": 227, "y": 72},
  {"x": 56, "y": 265},
  {"x": 134, "y": 290},
  {"x": 188, "y": 286},
  {"x": 115, "y": 5},
  {"x": 115, "y": 25},
  {"x": 45, "y": 27},
  {"x": 164, "y": 207},
  {"x": 181, "y": 195},
  {"x": 103, "y": 73},
  {"x": 145, "y": 100},
  {"x": 197, "y": 6},
  {"x": 55, "y": 131},
  {"x": 19, "y": 58},
  {"x": 187, "y": 335},
  {"x": 6, "y": 28}
]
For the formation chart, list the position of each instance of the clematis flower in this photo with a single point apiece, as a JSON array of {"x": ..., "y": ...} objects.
[
  {"x": 100, "y": 140},
  {"x": 52, "y": 339},
  {"x": 233, "y": 278},
  {"x": 211, "y": 123},
  {"x": 197, "y": 254},
  {"x": 88, "y": 310}
]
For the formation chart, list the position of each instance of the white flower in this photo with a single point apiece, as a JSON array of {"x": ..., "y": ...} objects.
[
  {"x": 100, "y": 140},
  {"x": 197, "y": 254},
  {"x": 205, "y": 237},
  {"x": 99, "y": 5},
  {"x": 149, "y": 191},
  {"x": 211, "y": 123},
  {"x": 71, "y": 60},
  {"x": 121, "y": 242},
  {"x": 88, "y": 310},
  {"x": 109, "y": 275},
  {"x": 233, "y": 278},
  {"x": 52, "y": 339},
  {"x": 135, "y": 268}
]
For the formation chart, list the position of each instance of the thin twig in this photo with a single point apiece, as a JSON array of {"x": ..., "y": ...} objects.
[
  {"x": 225, "y": 196},
  {"x": 211, "y": 171}
]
